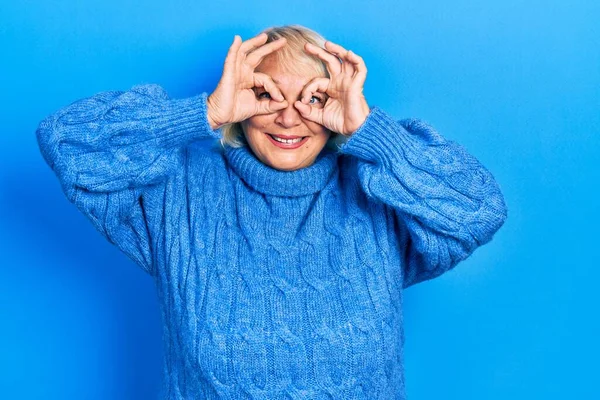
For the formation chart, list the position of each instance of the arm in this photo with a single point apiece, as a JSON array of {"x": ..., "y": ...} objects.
[
  {"x": 446, "y": 204},
  {"x": 110, "y": 149}
]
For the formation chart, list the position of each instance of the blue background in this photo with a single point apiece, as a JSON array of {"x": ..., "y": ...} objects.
[{"x": 517, "y": 83}]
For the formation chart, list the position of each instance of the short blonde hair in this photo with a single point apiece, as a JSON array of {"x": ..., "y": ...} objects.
[{"x": 294, "y": 59}]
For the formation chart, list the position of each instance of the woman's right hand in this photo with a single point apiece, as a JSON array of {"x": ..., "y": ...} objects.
[{"x": 234, "y": 99}]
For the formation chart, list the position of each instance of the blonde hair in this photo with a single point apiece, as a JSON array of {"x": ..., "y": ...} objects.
[{"x": 294, "y": 59}]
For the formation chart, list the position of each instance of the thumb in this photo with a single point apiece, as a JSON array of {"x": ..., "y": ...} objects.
[{"x": 309, "y": 113}]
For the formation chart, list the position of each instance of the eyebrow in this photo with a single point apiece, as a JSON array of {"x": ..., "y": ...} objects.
[{"x": 277, "y": 82}]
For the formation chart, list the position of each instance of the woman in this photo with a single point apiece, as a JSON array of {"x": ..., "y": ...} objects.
[{"x": 280, "y": 255}]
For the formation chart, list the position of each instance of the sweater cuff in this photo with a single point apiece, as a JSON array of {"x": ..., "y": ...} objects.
[
  {"x": 379, "y": 139},
  {"x": 191, "y": 115}
]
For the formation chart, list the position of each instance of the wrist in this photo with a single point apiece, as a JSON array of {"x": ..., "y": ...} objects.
[
  {"x": 210, "y": 112},
  {"x": 362, "y": 116},
  {"x": 365, "y": 109}
]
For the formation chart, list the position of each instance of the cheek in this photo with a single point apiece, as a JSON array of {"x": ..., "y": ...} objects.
[
  {"x": 319, "y": 130},
  {"x": 257, "y": 122},
  {"x": 251, "y": 127}
]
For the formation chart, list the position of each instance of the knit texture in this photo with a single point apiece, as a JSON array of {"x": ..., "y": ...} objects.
[{"x": 272, "y": 284}]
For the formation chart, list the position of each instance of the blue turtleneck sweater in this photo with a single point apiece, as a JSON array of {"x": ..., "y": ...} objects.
[{"x": 272, "y": 284}]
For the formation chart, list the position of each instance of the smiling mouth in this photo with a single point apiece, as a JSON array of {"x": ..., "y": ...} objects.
[
  {"x": 289, "y": 143},
  {"x": 282, "y": 139}
]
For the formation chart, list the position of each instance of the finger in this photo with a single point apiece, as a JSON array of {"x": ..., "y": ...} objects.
[
  {"x": 349, "y": 65},
  {"x": 231, "y": 58},
  {"x": 342, "y": 53},
  {"x": 256, "y": 41},
  {"x": 360, "y": 67},
  {"x": 310, "y": 113},
  {"x": 335, "y": 49},
  {"x": 256, "y": 56},
  {"x": 265, "y": 81},
  {"x": 315, "y": 85},
  {"x": 334, "y": 65},
  {"x": 268, "y": 107}
]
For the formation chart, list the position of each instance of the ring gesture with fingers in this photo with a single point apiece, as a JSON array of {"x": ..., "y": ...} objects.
[
  {"x": 346, "y": 107},
  {"x": 234, "y": 99}
]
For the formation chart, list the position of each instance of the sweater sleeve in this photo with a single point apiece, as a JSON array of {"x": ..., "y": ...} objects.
[
  {"x": 110, "y": 149},
  {"x": 445, "y": 203}
]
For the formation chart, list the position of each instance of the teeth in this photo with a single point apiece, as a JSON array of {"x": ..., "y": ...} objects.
[{"x": 287, "y": 140}]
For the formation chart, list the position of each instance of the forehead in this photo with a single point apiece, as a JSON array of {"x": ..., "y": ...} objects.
[{"x": 284, "y": 77}]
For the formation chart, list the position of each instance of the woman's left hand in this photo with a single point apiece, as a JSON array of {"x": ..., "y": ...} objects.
[{"x": 345, "y": 108}]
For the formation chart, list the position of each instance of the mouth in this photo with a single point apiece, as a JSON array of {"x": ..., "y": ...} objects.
[{"x": 287, "y": 142}]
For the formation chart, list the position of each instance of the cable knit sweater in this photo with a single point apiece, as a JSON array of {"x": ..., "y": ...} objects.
[{"x": 272, "y": 284}]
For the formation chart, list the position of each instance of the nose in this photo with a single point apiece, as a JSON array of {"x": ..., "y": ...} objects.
[{"x": 289, "y": 117}]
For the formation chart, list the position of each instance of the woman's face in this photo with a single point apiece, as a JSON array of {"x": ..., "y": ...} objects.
[{"x": 260, "y": 129}]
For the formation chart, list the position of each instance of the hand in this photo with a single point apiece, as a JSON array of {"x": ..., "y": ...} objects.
[
  {"x": 234, "y": 99},
  {"x": 346, "y": 107}
]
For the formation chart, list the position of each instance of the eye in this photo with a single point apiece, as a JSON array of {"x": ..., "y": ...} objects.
[{"x": 315, "y": 97}]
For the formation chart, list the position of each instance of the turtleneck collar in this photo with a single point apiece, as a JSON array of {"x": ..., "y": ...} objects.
[{"x": 273, "y": 182}]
